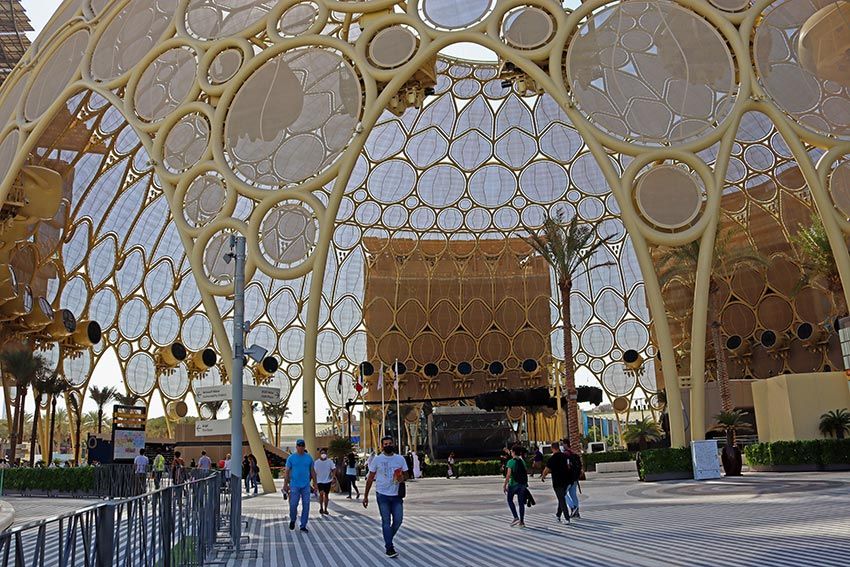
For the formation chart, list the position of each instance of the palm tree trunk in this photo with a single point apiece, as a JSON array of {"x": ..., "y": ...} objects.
[
  {"x": 100, "y": 419},
  {"x": 13, "y": 441},
  {"x": 52, "y": 425},
  {"x": 22, "y": 414},
  {"x": 719, "y": 349},
  {"x": 78, "y": 426},
  {"x": 34, "y": 434},
  {"x": 569, "y": 368},
  {"x": 839, "y": 433}
]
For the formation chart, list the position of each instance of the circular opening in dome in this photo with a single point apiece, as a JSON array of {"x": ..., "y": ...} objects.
[
  {"x": 496, "y": 368},
  {"x": 464, "y": 368},
  {"x": 431, "y": 370},
  {"x": 367, "y": 368},
  {"x": 468, "y": 51}
]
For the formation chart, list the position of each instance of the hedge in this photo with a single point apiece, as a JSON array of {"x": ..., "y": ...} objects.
[
  {"x": 818, "y": 452},
  {"x": 591, "y": 459},
  {"x": 65, "y": 480},
  {"x": 664, "y": 461},
  {"x": 466, "y": 468}
]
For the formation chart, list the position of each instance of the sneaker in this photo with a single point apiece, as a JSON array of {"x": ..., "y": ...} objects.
[
  {"x": 291, "y": 525},
  {"x": 558, "y": 518},
  {"x": 522, "y": 524},
  {"x": 348, "y": 497},
  {"x": 304, "y": 529},
  {"x": 391, "y": 552},
  {"x": 576, "y": 514},
  {"x": 515, "y": 522}
]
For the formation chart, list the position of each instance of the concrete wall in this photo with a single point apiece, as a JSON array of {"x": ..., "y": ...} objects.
[{"x": 788, "y": 407}]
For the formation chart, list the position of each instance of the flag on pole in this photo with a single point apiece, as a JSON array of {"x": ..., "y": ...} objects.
[
  {"x": 359, "y": 385},
  {"x": 395, "y": 375},
  {"x": 339, "y": 385},
  {"x": 381, "y": 377}
]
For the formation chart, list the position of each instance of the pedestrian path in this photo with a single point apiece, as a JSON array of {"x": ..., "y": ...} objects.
[{"x": 756, "y": 520}]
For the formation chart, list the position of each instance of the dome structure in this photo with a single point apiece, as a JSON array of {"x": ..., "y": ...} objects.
[{"x": 332, "y": 132}]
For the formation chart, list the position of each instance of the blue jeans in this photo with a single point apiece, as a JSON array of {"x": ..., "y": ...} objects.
[
  {"x": 302, "y": 494},
  {"x": 392, "y": 513},
  {"x": 518, "y": 490},
  {"x": 572, "y": 496}
]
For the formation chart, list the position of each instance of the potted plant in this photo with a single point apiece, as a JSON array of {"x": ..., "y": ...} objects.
[
  {"x": 835, "y": 423},
  {"x": 731, "y": 422}
]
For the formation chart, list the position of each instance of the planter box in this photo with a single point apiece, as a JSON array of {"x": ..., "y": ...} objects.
[
  {"x": 673, "y": 475},
  {"x": 807, "y": 467},
  {"x": 617, "y": 466}
]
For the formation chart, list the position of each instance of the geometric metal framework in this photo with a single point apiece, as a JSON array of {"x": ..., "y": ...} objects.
[{"x": 313, "y": 126}]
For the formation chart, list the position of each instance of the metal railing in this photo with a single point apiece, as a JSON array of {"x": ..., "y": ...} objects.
[
  {"x": 122, "y": 481},
  {"x": 170, "y": 527}
]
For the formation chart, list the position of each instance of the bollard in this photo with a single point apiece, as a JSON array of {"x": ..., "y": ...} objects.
[{"x": 105, "y": 535}]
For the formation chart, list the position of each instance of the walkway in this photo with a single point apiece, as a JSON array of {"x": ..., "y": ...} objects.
[{"x": 757, "y": 519}]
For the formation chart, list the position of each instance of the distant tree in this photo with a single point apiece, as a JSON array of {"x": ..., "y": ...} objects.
[
  {"x": 24, "y": 367},
  {"x": 101, "y": 396},
  {"x": 835, "y": 422},
  {"x": 813, "y": 250},
  {"x": 642, "y": 432}
]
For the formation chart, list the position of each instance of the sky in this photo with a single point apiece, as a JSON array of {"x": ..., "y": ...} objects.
[{"x": 108, "y": 372}]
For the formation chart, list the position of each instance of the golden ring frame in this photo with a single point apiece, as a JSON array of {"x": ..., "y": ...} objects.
[{"x": 735, "y": 28}]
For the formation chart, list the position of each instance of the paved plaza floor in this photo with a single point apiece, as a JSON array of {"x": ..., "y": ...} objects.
[{"x": 758, "y": 519}]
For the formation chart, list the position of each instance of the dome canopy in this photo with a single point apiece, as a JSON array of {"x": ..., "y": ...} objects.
[{"x": 330, "y": 132}]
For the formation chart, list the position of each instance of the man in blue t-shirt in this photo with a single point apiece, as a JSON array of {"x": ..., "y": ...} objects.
[{"x": 300, "y": 480}]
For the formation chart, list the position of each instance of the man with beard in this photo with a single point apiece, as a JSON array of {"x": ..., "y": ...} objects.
[{"x": 387, "y": 471}]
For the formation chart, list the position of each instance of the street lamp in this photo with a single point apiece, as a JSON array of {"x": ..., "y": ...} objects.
[{"x": 257, "y": 353}]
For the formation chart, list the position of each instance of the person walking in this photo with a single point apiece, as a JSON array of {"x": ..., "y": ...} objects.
[
  {"x": 158, "y": 470},
  {"x": 324, "y": 469},
  {"x": 254, "y": 471},
  {"x": 387, "y": 472},
  {"x": 177, "y": 468},
  {"x": 516, "y": 485},
  {"x": 246, "y": 473},
  {"x": 226, "y": 468},
  {"x": 558, "y": 466},
  {"x": 417, "y": 468},
  {"x": 574, "y": 478},
  {"x": 451, "y": 469},
  {"x": 140, "y": 466},
  {"x": 537, "y": 462},
  {"x": 351, "y": 474},
  {"x": 204, "y": 463},
  {"x": 299, "y": 482}
]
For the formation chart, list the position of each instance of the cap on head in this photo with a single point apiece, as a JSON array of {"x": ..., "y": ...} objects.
[{"x": 300, "y": 443}]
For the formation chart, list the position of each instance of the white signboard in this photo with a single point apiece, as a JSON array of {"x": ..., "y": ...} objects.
[
  {"x": 212, "y": 393},
  {"x": 706, "y": 459},
  {"x": 206, "y": 428},
  {"x": 222, "y": 393}
]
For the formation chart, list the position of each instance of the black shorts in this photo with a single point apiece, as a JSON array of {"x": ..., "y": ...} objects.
[{"x": 324, "y": 487}]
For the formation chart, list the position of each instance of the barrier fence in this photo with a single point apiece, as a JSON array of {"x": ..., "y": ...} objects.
[{"x": 173, "y": 526}]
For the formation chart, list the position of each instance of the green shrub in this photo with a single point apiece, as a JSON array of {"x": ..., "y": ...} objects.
[
  {"x": 659, "y": 461},
  {"x": 66, "y": 480},
  {"x": 591, "y": 459},
  {"x": 814, "y": 452},
  {"x": 465, "y": 468},
  {"x": 757, "y": 454},
  {"x": 835, "y": 451},
  {"x": 435, "y": 470},
  {"x": 795, "y": 452}
]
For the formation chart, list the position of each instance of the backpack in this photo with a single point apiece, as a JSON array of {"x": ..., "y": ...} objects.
[
  {"x": 575, "y": 467},
  {"x": 520, "y": 475}
]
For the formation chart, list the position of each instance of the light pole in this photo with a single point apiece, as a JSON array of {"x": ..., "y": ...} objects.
[
  {"x": 237, "y": 253},
  {"x": 258, "y": 353}
]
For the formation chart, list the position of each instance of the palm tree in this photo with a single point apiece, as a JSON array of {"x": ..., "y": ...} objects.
[
  {"x": 568, "y": 247},
  {"x": 101, "y": 396},
  {"x": 38, "y": 391},
  {"x": 25, "y": 367},
  {"x": 275, "y": 414},
  {"x": 680, "y": 263},
  {"x": 61, "y": 425},
  {"x": 642, "y": 432},
  {"x": 54, "y": 386},
  {"x": 731, "y": 422},
  {"x": 835, "y": 422},
  {"x": 76, "y": 407},
  {"x": 127, "y": 399},
  {"x": 816, "y": 260}
]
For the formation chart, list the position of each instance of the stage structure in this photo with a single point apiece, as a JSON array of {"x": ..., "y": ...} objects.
[{"x": 321, "y": 129}]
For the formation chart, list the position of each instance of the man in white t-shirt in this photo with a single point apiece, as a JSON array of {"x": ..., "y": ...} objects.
[
  {"x": 140, "y": 466},
  {"x": 387, "y": 471},
  {"x": 324, "y": 468}
]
